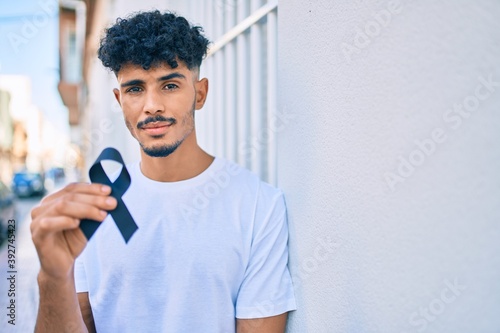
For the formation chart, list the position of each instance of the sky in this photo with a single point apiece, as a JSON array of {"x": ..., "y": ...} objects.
[{"x": 29, "y": 46}]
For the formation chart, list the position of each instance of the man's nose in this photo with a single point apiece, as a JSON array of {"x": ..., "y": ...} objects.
[{"x": 153, "y": 103}]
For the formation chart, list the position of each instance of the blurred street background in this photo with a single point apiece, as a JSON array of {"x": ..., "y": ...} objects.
[{"x": 36, "y": 154}]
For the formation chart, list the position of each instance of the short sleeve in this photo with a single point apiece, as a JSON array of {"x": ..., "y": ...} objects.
[
  {"x": 80, "y": 275},
  {"x": 267, "y": 288}
]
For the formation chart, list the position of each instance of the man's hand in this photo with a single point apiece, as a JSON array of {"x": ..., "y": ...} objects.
[{"x": 54, "y": 227}]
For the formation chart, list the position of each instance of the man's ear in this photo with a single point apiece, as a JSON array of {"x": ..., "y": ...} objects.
[
  {"x": 201, "y": 87},
  {"x": 116, "y": 92}
]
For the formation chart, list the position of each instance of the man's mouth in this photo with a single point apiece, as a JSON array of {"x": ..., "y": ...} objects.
[
  {"x": 156, "y": 128},
  {"x": 156, "y": 125}
]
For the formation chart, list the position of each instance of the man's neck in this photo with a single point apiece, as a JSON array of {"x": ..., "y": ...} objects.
[{"x": 188, "y": 161}]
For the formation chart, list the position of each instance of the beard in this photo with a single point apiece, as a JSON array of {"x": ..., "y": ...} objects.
[
  {"x": 166, "y": 149},
  {"x": 161, "y": 151}
]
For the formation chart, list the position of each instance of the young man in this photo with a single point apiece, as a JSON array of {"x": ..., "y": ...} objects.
[{"x": 210, "y": 254}]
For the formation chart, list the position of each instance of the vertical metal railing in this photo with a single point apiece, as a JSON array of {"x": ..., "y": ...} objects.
[
  {"x": 272, "y": 92},
  {"x": 242, "y": 69},
  {"x": 256, "y": 98},
  {"x": 243, "y": 87},
  {"x": 230, "y": 111}
]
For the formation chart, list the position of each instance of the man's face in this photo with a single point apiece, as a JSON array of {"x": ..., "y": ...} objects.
[{"x": 159, "y": 104}]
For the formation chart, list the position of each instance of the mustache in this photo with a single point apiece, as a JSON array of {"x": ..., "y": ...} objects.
[{"x": 154, "y": 119}]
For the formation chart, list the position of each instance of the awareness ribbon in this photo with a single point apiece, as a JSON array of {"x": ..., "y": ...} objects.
[{"x": 120, "y": 214}]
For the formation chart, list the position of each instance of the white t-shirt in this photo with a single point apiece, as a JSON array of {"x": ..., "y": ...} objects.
[{"x": 208, "y": 250}]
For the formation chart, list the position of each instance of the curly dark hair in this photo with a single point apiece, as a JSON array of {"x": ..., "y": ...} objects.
[{"x": 151, "y": 38}]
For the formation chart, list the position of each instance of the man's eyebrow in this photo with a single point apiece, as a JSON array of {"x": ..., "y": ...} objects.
[
  {"x": 131, "y": 83},
  {"x": 163, "y": 78},
  {"x": 172, "y": 76}
]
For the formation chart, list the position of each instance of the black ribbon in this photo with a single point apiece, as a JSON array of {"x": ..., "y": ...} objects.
[{"x": 120, "y": 214}]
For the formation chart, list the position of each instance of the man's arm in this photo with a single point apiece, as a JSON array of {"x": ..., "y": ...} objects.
[
  {"x": 275, "y": 324},
  {"x": 58, "y": 301},
  {"x": 58, "y": 241},
  {"x": 86, "y": 309}
]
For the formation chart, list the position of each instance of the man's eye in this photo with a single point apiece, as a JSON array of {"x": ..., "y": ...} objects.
[
  {"x": 171, "y": 86},
  {"x": 134, "y": 89}
]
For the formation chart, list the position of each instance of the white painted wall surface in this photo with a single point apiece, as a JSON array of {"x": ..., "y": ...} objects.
[{"x": 393, "y": 254}]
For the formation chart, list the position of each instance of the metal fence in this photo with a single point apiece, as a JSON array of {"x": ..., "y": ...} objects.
[{"x": 236, "y": 121}]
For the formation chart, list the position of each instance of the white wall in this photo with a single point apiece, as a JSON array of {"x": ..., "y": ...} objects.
[{"x": 393, "y": 252}]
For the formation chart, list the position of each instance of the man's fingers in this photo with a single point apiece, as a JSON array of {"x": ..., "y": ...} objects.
[
  {"x": 64, "y": 209},
  {"x": 101, "y": 202},
  {"x": 47, "y": 225},
  {"x": 78, "y": 210},
  {"x": 60, "y": 205},
  {"x": 83, "y": 188}
]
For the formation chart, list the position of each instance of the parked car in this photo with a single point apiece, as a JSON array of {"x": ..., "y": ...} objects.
[
  {"x": 25, "y": 184},
  {"x": 7, "y": 210},
  {"x": 55, "y": 173}
]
